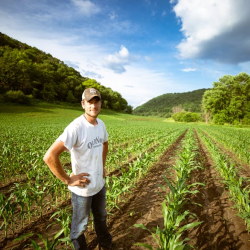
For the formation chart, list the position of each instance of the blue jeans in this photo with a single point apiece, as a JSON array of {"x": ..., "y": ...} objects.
[{"x": 81, "y": 210}]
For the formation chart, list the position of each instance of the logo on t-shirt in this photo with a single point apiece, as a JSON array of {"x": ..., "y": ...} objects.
[{"x": 97, "y": 142}]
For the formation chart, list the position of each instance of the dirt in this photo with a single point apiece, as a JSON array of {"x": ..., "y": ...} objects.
[
  {"x": 142, "y": 207},
  {"x": 243, "y": 168},
  {"x": 221, "y": 229}
]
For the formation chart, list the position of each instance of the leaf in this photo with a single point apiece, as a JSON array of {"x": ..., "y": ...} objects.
[
  {"x": 144, "y": 245},
  {"x": 59, "y": 233},
  {"x": 141, "y": 226},
  {"x": 190, "y": 225},
  {"x": 23, "y": 236}
]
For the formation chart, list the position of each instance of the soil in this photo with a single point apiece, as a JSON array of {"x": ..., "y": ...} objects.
[{"x": 221, "y": 229}]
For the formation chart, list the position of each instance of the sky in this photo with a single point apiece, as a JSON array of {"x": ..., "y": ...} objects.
[{"x": 139, "y": 48}]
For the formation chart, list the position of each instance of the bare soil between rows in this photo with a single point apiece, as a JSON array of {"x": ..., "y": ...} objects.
[{"x": 221, "y": 229}]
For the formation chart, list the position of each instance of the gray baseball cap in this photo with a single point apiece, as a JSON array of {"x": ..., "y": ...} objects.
[{"x": 89, "y": 93}]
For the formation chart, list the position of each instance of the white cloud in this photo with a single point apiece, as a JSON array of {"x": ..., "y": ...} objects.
[
  {"x": 148, "y": 59},
  {"x": 118, "y": 61},
  {"x": 164, "y": 13},
  {"x": 189, "y": 69},
  {"x": 74, "y": 65},
  {"x": 146, "y": 83},
  {"x": 217, "y": 30},
  {"x": 113, "y": 15},
  {"x": 86, "y": 7},
  {"x": 91, "y": 74}
]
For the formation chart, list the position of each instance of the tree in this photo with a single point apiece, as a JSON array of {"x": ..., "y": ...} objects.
[
  {"x": 129, "y": 109},
  {"x": 177, "y": 109},
  {"x": 70, "y": 97},
  {"x": 228, "y": 99},
  {"x": 42, "y": 76}
]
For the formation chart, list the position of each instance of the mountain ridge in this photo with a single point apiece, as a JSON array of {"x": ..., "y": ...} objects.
[{"x": 162, "y": 105}]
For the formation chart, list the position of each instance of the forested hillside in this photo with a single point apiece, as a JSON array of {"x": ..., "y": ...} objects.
[
  {"x": 163, "y": 105},
  {"x": 28, "y": 73}
]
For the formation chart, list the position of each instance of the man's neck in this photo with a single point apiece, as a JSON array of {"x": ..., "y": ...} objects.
[{"x": 90, "y": 119}]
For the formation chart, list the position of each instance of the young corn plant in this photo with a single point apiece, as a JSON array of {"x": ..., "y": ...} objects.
[
  {"x": 63, "y": 217},
  {"x": 233, "y": 182},
  {"x": 48, "y": 245},
  {"x": 5, "y": 213},
  {"x": 169, "y": 237}
]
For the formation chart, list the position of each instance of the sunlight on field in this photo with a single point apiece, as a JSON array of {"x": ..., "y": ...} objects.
[{"x": 31, "y": 192}]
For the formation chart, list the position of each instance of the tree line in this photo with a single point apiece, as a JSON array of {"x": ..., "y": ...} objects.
[
  {"x": 163, "y": 105},
  {"x": 27, "y": 72},
  {"x": 228, "y": 101}
]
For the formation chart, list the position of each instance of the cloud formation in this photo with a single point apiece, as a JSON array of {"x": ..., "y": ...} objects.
[
  {"x": 91, "y": 74},
  {"x": 86, "y": 7},
  {"x": 148, "y": 59},
  {"x": 189, "y": 69},
  {"x": 118, "y": 61},
  {"x": 214, "y": 30},
  {"x": 112, "y": 15},
  {"x": 74, "y": 65}
]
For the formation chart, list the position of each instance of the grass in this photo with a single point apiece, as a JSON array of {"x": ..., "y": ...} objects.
[{"x": 54, "y": 113}]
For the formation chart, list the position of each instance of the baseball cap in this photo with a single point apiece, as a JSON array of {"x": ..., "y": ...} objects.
[{"x": 89, "y": 93}]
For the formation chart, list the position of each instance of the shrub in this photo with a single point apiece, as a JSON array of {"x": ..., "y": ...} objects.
[
  {"x": 220, "y": 119},
  {"x": 246, "y": 119},
  {"x": 70, "y": 97},
  {"x": 1, "y": 98},
  {"x": 184, "y": 116},
  {"x": 17, "y": 97}
]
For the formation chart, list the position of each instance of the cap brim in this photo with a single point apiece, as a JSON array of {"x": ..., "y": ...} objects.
[{"x": 91, "y": 97}]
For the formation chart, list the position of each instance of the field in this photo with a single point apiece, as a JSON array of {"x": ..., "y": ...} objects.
[{"x": 179, "y": 183}]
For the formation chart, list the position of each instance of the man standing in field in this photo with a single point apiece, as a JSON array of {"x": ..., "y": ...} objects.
[{"x": 87, "y": 140}]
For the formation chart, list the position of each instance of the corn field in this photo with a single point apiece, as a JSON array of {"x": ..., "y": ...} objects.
[{"x": 161, "y": 181}]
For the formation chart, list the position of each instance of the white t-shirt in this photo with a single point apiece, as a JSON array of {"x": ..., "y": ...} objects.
[{"x": 85, "y": 143}]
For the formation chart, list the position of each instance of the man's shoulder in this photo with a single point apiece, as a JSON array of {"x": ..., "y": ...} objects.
[
  {"x": 77, "y": 122},
  {"x": 100, "y": 122}
]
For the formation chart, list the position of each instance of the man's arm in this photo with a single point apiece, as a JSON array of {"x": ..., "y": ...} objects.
[
  {"x": 104, "y": 157},
  {"x": 51, "y": 158}
]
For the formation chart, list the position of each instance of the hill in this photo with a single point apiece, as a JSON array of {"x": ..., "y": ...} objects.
[
  {"x": 28, "y": 73},
  {"x": 162, "y": 105}
]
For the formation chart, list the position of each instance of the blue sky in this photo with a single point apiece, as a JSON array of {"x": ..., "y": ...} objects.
[{"x": 141, "y": 48}]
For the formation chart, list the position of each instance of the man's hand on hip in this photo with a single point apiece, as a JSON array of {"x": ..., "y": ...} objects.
[{"x": 78, "y": 180}]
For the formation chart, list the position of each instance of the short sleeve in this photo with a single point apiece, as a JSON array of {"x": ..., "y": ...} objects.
[{"x": 69, "y": 136}]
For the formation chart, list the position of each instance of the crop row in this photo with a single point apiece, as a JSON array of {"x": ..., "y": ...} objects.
[
  {"x": 235, "y": 140},
  {"x": 38, "y": 196},
  {"x": 238, "y": 190},
  {"x": 117, "y": 185},
  {"x": 169, "y": 237}
]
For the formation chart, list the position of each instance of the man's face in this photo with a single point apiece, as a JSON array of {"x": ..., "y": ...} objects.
[{"x": 92, "y": 107}]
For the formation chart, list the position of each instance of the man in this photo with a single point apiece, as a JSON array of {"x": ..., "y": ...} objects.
[{"x": 87, "y": 140}]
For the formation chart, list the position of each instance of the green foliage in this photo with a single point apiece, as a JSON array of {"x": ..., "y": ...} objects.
[
  {"x": 163, "y": 105},
  {"x": 70, "y": 97},
  {"x": 129, "y": 109},
  {"x": 169, "y": 237},
  {"x": 27, "y": 69},
  {"x": 229, "y": 99},
  {"x": 186, "y": 117},
  {"x": 17, "y": 97},
  {"x": 246, "y": 119}
]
